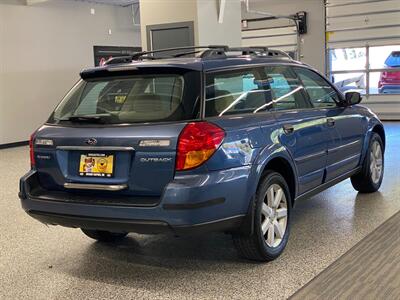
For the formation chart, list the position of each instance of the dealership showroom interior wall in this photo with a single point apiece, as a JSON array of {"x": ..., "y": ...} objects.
[{"x": 165, "y": 149}]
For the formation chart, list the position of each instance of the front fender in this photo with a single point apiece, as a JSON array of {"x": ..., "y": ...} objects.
[{"x": 372, "y": 123}]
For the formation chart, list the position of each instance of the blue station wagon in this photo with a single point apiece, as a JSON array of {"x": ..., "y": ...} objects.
[{"x": 195, "y": 140}]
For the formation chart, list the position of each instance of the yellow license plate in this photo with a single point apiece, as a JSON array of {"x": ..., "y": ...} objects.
[{"x": 96, "y": 165}]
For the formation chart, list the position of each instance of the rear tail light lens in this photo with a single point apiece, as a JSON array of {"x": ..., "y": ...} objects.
[
  {"x": 31, "y": 151},
  {"x": 197, "y": 143}
]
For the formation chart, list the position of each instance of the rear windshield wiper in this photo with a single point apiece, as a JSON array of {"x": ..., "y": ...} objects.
[{"x": 98, "y": 118}]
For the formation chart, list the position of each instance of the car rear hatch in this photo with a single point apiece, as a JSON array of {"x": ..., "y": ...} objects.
[
  {"x": 117, "y": 134},
  {"x": 134, "y": 160}
]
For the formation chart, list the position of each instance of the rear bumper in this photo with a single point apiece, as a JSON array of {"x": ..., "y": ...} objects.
[
  {"x": 190, "y": 204},
  {"x": 138, "y": 226}
]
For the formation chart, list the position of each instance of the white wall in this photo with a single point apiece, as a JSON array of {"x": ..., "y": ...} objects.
[
  {"x": 313, "y": 46},
  {"x": 210, "y": 32},
  {"x": 43, "y": 48}
]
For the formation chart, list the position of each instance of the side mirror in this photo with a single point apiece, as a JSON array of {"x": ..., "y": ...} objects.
[{"x": 353, "y": 98}]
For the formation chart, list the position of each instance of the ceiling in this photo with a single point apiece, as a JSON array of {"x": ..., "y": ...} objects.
[{"x": 113, "y": 2}]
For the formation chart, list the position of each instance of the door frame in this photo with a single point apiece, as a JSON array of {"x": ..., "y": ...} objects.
[{"x": 166, "y": 26}]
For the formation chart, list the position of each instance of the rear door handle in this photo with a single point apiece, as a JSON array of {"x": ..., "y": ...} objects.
[
  {"x": 330, "y": 122},
  {"x": 288, "y": 128}
]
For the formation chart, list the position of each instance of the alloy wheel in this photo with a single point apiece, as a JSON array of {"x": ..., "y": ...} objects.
[
  {"x": 274, "y": 215},
  {"x": 376, "y": 162}
]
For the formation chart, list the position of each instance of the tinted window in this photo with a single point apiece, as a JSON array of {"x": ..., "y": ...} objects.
[
  {"x": 286, "y": 90},
  {"x": 234, "y": 92},
  {"x": 253, "y": 90},
  {"x": 137, "y": 98},
  {"x": 319, "y": 90}
]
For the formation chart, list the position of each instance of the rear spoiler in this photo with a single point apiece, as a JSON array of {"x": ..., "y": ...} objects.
[{"x": 131, "y": 69}]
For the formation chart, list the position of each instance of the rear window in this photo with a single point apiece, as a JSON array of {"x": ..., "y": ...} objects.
[
  {"x": 138, "y": 98},
  {"x": 393, "y": 60}
]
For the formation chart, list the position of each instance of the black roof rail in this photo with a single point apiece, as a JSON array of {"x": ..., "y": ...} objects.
[
  {"x": 139, "y": 55},
  {"x": 148, "y": 54},
  {"x": 209, "y": 52},
  {"x": 119, "y": 60},
  {"x": 260, "y": 51}
]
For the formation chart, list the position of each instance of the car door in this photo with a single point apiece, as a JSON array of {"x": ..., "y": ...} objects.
[
  {"x": 345, "y": 125},
  {"x": 302, "y": 129}
]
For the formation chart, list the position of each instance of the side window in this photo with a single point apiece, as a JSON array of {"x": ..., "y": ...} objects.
[
  {"x": 321, "y": 93},
  {"x": 286, "y": 90},
  {"x": 235, "y": 92}
]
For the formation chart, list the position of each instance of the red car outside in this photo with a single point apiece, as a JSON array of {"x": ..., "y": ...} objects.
[{"x": 389, "y": 81}]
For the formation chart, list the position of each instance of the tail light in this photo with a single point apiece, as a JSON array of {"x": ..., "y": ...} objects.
[
  {"x": 197, "y": 143},
  {"x": 31, "y": 152}
]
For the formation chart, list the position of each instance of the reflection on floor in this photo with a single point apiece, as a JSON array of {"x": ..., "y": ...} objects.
[
  {"x": 39, "y": 262},
  {"x": 370, "y": 270}
]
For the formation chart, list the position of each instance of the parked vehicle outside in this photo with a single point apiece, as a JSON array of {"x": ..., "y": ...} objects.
[
  {"x": 211, "y": 139},
  {"x": 389, "y": 81}
]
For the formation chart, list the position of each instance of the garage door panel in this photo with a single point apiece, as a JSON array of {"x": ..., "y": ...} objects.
[
  {"x": 267, "y": 41},
  {"x": 366, "y": 34},
  {"x": 363, "y": 8},
  {"x": 361, "y": 43},
  {"x": 352, "y": 22},
  {"x": 330, "y": 3},
  {"x": 269, "y": 32}
]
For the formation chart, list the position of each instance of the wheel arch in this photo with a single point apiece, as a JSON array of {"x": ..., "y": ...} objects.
[
  {"x": 282, "y": 166},
  {"x": 379, "y": 129},
  {"x": 281, "y": 163}
]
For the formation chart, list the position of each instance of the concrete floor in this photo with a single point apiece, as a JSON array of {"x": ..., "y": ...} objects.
[{"x": 38, "y": 262}]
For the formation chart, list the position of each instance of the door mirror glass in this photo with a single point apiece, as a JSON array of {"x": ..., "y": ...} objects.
[{"x": 353, "y": 98}]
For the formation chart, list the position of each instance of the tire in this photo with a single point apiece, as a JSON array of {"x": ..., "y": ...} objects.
[
  {"x": 369, "y": 179},
  {"x": 260, "y": 246},
  {"x": 104, "y": 236}
]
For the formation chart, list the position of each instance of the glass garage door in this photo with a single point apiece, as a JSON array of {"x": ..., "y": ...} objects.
[{"x": 363, "y": 51}]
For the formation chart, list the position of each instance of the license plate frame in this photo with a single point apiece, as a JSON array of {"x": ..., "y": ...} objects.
[{"x": 99, "y": 165}]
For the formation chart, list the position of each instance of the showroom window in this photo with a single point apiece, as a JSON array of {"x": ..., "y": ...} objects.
[{"x": 370, "y": 70}]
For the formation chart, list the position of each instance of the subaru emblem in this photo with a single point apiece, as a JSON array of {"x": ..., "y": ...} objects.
[{"x": 91, "y": 141}]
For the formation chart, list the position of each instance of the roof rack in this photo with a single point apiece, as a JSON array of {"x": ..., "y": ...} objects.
[
  {"x": 260, "y": 51},
  {"x": 206, "y": 52}
]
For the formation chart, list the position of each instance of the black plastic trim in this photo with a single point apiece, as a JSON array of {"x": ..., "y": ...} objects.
[
  {"x": 184, "y": 206},
  {"x": 138, "y": 226},
  {"x": 327, "y": 185},
  {"x": 116, "y": 225}
]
